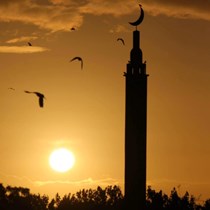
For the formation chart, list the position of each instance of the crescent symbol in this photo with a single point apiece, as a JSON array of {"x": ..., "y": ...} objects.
[{"x": 140, "y": 19}]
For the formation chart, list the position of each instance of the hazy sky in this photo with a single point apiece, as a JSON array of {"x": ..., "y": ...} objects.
[{"x": 85, "y": 109}]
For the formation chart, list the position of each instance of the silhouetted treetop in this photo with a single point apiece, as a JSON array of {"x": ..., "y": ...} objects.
[{"x": 109, "y": 198}]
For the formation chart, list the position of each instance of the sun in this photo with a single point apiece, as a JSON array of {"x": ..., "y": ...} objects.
[{"x": 61, "y": 160}]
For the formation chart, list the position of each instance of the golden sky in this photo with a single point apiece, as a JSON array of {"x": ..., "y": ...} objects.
[{"x": 84, "y": 109}]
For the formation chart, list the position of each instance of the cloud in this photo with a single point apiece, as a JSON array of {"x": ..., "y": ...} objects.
[
  {"x": 61, "y": 15},
  {"x": 119, "y": 29},
  {"x": 21, "y": 39},
  {"x": 23, "y": 180},
  {"x": 88, "y": 181},
  {"x": 108, "y": 7},
  {"x": 49, "y": 16},
  {"x": 180, "y": 8},
  {"x": 21, "y": 49}
]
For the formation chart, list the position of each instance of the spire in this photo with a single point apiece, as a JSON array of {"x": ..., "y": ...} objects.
[
  {"x": 136, "y": 53},
  {"x": 135, "y": 65}
]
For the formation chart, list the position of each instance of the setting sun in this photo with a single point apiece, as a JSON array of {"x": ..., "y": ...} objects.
[{"x": 61, "y": 160}]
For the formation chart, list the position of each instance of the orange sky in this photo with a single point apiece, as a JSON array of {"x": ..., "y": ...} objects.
[{"x": 84, "y": 109}]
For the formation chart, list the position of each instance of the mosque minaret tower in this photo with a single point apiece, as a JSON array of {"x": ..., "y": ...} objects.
[{"x": 135, "y": 125}]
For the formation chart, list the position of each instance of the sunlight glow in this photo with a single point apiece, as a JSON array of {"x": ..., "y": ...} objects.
[{"x": 61, "y": 160}]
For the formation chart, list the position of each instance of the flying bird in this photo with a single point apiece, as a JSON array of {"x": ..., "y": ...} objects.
[
  {"x": 29, "y": 44},
  {"x": 40, "y": 96},
  {"x": 122, "y": 40},
  {"x": 79, "y": 59}
]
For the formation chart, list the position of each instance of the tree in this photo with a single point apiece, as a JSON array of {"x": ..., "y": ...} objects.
[
  {"x": 156, "y": 200},
  {"x": 109, "y": 198}
]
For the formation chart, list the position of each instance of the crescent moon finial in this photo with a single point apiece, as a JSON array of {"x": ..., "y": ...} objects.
[{"x": 140, "y": 19}]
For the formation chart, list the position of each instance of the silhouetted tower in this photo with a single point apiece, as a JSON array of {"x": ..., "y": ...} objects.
[{"x": 135, "y": 128}]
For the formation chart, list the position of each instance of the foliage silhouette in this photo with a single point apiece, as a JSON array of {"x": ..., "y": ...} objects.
[{"x": 110, "y": 198}]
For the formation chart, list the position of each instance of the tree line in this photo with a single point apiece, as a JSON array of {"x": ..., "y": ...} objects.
[{"x": 109, "y": 198}]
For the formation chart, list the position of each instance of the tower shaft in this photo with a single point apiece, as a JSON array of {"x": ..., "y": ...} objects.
[{"x": 135, "y": 128}]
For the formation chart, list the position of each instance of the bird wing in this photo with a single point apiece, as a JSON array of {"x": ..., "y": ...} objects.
[
  {"x": 76, "y": 58},
  {"x": 120, "y": 39},
  {"x": 81, "y": 64},
  {"x": 41, "y": 101},
  {"x": 41, "y": 98},
  {"x": 79, "y": 59},
  {"x": 26, "y": 91},
  {"x": 39, "y": 95}
]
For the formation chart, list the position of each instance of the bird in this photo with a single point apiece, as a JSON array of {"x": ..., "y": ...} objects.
[
  {"x": 29, "y": 44},
  {"x": 122, "y": 40},
  {"x": 73, "y": 29},
  {"x": 10, "y": 88},
  {"x": 40, "y": 96},
  {"x": 79, "y": 59}
]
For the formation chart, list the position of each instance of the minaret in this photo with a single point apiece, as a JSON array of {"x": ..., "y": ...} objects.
[{"x": 135, "y": 128}]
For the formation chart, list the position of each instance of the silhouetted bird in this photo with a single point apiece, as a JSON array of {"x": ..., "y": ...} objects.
[
  {"x": 122, "y": 40},
  {"x": 41, "y": 97},
  {"x": 29, "y": 44},
  {"x": 79, "y": 59}
]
